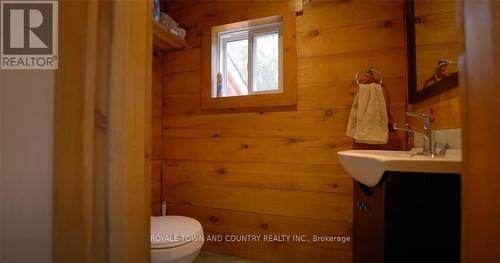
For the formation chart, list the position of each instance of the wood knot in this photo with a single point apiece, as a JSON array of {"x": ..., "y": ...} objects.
[
  {"x": 244, "y": 146},
  {"x": 332, "y": 146},
  {"x": 388, "y": 24},
  {"x": 100, "y": 120},
  {"x": 213, "y": 219},
  {"x": 216, "y": 135},
  {"x": 315, "y": 33},
  {"x": 172, "y": 164},
  {"x": 335, "y": 186},
  {"x": 292, "y": 140},
  {"x": 221, "y": 170},
  {"x": 418, "y": 20},
  {"x": 328, "y": 113},
  {"x": 264, "y": 226}
]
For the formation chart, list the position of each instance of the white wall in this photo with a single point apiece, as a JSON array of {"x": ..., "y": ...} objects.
[{"x": 26, "y": 121}]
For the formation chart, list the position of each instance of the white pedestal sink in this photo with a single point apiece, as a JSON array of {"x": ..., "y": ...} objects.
[{"x": 368, "y": 166}]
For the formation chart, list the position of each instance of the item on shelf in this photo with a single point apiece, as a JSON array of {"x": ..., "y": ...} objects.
[
  {"x": 173, "y": 27},
  {"x": 156, "y": 10}
]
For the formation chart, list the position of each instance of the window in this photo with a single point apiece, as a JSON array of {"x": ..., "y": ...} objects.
[
  {"x": 249, "y": 60},
  {"x": 249, "y": 64}
]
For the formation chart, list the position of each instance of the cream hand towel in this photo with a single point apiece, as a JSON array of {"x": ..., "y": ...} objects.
[{"x": 368, "y": 119}]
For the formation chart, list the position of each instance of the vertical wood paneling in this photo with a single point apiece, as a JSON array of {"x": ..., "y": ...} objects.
[
  {"x": 156, "y": 132},
  {"x": 480, "y": 179},
  {"x": 273, "y": 170},
  {"x": 102, "y": 133},
  {"x": 157, "y": 109},
  {"x": 74, "y": 154},
  {"x": 130, "y": 129}
]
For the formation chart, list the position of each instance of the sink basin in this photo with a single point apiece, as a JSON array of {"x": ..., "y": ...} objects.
[{"x": 368, "y": 166}]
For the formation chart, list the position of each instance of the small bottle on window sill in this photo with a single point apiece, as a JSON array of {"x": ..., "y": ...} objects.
[{"x": 219, "y": 85}]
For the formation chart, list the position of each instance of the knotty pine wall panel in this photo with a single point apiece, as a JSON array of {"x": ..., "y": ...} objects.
[
  {"x": 275, "y": 170},
  {"x": 238, "y": 222},
  {"x": 261, "y": 200},
  {"x": 349, "y": 39},
  {"x": 391, "y": 62},
  {"x": 276, "y": 251},
  {"x": 283, "y": 176}
]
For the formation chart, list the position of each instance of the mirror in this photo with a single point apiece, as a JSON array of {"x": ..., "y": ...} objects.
[{"x": 433, "y": 47}]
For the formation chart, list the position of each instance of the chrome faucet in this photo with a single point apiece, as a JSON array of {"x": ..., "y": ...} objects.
[{"x": 428, "y": 147}]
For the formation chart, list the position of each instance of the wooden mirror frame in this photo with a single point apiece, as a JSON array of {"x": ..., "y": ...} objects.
[{"x": 446, "y": 83}]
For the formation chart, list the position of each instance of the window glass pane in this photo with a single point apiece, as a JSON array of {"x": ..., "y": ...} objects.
[
  {"x": 266, "y": 65},
  {"x": 236, "y": 68}
]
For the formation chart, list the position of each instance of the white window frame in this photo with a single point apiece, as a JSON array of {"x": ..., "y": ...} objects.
[
  {"x": 256, "y": 32},
  {"x": 224, "y": 38},
  {"x": 249, "y": 33}
]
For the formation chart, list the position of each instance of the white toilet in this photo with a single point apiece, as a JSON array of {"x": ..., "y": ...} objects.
[{"x": 175, "y": 239}]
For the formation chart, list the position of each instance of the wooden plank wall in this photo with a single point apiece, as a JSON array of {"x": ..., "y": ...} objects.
[
  {"x": 437, "y": 36},
  {"x": 275, "y": 170},
  {"x": 481, "y": 118},
  {"x": 156, "y": 132}
]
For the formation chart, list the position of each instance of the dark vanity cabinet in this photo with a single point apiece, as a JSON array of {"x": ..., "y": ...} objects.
[{"x": 408, "y": 217}]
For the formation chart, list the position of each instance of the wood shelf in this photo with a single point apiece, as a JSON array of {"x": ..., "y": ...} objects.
[{"x": 166, "y": 41}]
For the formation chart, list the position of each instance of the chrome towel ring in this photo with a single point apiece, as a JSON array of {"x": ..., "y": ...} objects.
[
  {"x": 442, "y": 66},
  {"x": 369, "y": 72}
]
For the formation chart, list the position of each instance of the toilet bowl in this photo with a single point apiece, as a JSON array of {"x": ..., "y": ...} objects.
[{"x": 175, "y": 239}]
